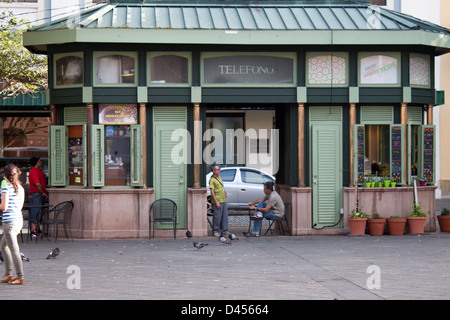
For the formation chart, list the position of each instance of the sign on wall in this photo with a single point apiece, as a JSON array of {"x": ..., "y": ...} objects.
[
  {"x": 117, "y": 114},
  {"x": 252, "y": 69},
  {"x": 379, "y": 69}
]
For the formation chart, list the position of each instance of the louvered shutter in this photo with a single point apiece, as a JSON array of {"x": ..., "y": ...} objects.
[
  {"x": 58, "y": 156},
  {"x": 136, "y": 170},
  {"x": 97, "y": 155}
]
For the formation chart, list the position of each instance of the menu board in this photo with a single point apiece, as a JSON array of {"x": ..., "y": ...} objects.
[
  {"x": 428, "y": 153},
  {"x": 396, "y": 153},
  {"x": 360, "y": 150}
]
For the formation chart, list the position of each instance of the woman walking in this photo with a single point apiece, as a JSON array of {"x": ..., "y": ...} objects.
[{"x": 11, "y": 205}]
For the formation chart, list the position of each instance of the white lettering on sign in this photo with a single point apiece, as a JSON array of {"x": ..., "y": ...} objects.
[{"x": 247, "y": 69}]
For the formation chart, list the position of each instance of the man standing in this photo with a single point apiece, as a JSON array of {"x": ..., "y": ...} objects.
[
  {"x": 219, "y": 202},
  {"x": 37, "y": 193},
  {"x": 270, "y": 206}
]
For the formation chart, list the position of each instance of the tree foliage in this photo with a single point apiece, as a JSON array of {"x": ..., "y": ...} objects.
[{"x": 20, "y": 70}]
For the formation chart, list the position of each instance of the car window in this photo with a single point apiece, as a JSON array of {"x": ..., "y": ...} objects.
[
  {"x": 254, "y": 177},
  {"x": 228, "y": 175}
]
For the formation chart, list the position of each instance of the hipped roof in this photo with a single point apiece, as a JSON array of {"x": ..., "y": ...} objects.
[{"x": 337, "y": 22}]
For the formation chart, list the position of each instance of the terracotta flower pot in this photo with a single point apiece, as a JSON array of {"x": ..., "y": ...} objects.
[
  {"x": 376, "y": 227},
  {"x": 357, "y": 225},
  {"x": 444, "y": 223},
  {"x": 416, "y": 224},
  {"x": 396, "y": 226}
]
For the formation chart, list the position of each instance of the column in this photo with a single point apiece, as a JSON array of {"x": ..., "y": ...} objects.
[
  {"x": 143, "y": 122},
  {"x": 53, "y": 115},
  {"x": 430, "y": 114},
  {"x": 301, "y": 145},
  {"x": 197, "y": 145},
  {"x": 351, "y": 125}
]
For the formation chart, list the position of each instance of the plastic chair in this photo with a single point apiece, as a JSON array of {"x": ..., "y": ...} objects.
[
  {"x": 287, "y": 206},
  {"x": 62, "y": 214},
  {"x": 164, "y": 210}
]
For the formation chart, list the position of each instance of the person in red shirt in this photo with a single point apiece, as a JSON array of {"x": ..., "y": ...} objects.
[{"x": 37, "y": 194}]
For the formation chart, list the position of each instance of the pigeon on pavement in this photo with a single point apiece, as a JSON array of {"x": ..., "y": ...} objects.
[
  {"x": 224, "y": 240},
  {"x": 53, "y": 253},
  {"x": 188, "y": 234},
  {"x": 23, "y": 257},
  {"x": 199, "y": 245},
  {"x": 232, "y": 236}
]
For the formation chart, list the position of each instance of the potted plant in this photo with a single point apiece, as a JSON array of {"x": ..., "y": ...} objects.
[
  {"x": 393, "y": 184},
  {"x": 367, "y": 182},
  {"x": 386, "y": 181},
  {"x": 396, "y": 225},
  {"x": 444, "y": 220},
  {"x": 422, "y": 181},
  {"x": 357, "y": 222},
  {"x": 416, "y": 219},
  {"x": 376, "y": 225}
]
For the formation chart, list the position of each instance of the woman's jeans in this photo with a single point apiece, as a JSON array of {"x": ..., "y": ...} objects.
[
  {"x": 35, "y": 213},
  {"x": 257, "y": 223},
  {"x": 10, "y": 248}
]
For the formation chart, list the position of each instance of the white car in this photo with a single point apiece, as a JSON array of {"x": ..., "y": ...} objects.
[{"x": 242, "y": 184}]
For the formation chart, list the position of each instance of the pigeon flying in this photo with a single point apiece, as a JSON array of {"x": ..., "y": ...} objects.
[
  {"x": 53, "y": 253},
  {"x": 199, "y": 245}
]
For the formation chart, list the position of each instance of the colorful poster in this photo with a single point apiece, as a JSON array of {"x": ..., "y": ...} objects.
[
  {"x": 327, "y": 70},
  {"x": 117, "y": 114},
  {"x": 379, "y": 70}
]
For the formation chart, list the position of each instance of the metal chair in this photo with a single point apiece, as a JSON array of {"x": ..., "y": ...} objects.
[
  {"x": 62, "y": 215},
  {"x": 164, "y": 210},
  {"x": 209, "y": 213},
  {"x": 287, "y": 206}
]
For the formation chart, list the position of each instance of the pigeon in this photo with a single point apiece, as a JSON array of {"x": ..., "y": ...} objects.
[
  {"x": 232, "y": 236},
  {"x": 24, "y": 258},
  {"x": 53, "y": 253},
  {"x": 188, "y": 234},
  {"x": 224, "y": 240},
  {"x": 199, "y": 245}
]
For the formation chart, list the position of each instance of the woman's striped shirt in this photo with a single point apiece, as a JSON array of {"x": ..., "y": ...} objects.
[{"x": 15, "y": 203}]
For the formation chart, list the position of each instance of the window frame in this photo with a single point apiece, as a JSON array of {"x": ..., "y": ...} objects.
[
  {"x": 395, "y": 55},
  {"x": 58, "y": 56},
  {"x": 131, "y": 54},
  {"x": 428, "y": 59},
  {"x": 343, "y": 55},
  {"x": 186, "y": 55}
]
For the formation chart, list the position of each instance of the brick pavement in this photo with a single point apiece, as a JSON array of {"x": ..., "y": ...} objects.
[{"x": 278, "y": 268}]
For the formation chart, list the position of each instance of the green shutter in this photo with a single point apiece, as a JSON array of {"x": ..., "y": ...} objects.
[
  {"x": 97, "y": 155},
  {"x": 358, "y": 153},
  {"x": 427, "y": 151},
  {"x": 136, "y": 170},
  {"x": 377, "y": 115},
  {"x": 397, "y": 153},
  {"x": 58, "y": 156},
  {"x": 85, "y": 155}
]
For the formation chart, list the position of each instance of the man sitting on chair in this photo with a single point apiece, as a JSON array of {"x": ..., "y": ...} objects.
[{"x": 269, "y": 206}]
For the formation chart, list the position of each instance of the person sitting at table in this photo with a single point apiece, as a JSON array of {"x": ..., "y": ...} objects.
[
  {"x": 269, "y": 206},
  {"x": 37, "y": 193}
]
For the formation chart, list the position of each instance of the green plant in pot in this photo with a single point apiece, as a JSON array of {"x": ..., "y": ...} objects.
[
  {"x": 357, "y": 222},
  {"x": 416, "y": 219},
  {"x": 376, "y": 225},
  {"x": 444, "y": 220}
]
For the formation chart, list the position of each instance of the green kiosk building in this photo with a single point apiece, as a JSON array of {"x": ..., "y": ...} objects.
[{"x": 325, "y": 95}]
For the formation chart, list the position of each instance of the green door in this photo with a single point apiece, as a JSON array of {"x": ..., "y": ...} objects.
[
  {"x": 170, "y": 175},
  {"x": 326, "y": 179}
]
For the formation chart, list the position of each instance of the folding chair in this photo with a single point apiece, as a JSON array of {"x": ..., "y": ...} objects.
[{"x": 287, "y": 206}]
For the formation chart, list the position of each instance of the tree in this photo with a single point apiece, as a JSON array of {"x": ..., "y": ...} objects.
[{"x": 20, "y": 70}]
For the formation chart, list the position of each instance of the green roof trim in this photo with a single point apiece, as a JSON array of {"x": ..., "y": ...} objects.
[{"x": 260, "y": 22}]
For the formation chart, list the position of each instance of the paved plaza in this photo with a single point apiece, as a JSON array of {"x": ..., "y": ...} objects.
[{"x": 407, "y": 267}]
